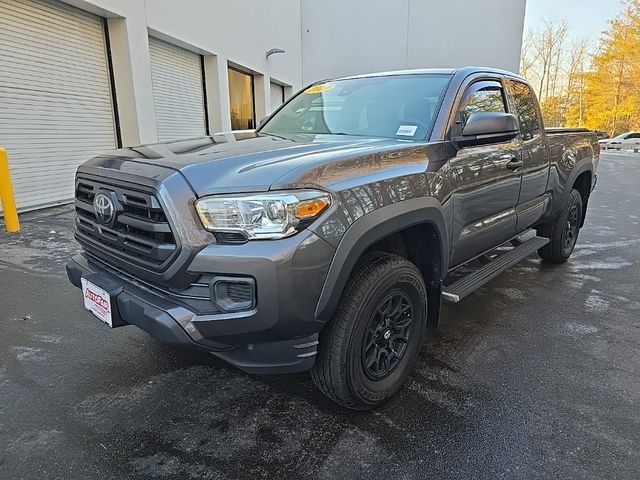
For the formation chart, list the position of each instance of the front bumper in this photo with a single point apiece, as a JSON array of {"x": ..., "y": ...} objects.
[{"x": 279, "y": 335}]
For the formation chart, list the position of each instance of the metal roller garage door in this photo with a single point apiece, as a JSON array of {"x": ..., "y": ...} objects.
[
  {"x": 55, "y": 96},
  {"x": 277, "y": 95},
  {"x": 178, "y": 91}
]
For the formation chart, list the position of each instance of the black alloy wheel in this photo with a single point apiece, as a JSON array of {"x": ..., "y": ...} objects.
[
  {"x": 570, "y": 233},
  {"x": 387, "y": 335}
]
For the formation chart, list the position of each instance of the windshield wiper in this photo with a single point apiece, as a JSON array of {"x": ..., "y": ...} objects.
[
  {"x": 354, "y": 135},
  {"x": 273, "y": 135},
  {"x": 307, "y": 132},
  {"x": 336, "y": 133}
]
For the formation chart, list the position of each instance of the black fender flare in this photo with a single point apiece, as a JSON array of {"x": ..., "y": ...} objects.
[
  {"x": 368, "y": 230},
  {"x": 582, "y": 166}
]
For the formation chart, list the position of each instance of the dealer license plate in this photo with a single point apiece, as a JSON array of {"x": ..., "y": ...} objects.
[{"x": 97, "y": 301}]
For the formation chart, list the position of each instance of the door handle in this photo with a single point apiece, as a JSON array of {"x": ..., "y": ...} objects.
[{"x": 514, "y": 164}]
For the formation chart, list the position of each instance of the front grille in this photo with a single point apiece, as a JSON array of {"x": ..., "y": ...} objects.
[{"x": 139, "y": 233}]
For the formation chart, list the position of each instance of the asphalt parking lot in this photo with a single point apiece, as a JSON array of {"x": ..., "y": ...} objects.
[{"x": 536, "y": 375}]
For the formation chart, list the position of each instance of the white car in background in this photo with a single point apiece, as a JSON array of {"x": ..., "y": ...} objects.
[
  {"x": 625, "y": 141},
  {"x": 632, "y": 142}
]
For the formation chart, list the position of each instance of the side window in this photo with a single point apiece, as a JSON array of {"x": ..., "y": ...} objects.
[
  {"x": 526, "y": 108},
  {"x": 485, "y": 99}
]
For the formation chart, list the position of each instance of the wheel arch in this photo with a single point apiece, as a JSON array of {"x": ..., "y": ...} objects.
[
  {"x": 420, "y": 216},
  {"x": 582, "y": 184}
]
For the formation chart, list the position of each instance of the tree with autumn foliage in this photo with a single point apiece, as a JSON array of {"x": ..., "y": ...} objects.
[
  {"x": 553, "y": 65},
  {"x": 577, "y": 88},
  {"x": 611, "y": 97}
]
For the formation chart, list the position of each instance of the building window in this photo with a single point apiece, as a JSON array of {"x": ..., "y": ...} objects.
[
  {"x": 241, "y": 99},
  {"x": 277, "y": 95}
]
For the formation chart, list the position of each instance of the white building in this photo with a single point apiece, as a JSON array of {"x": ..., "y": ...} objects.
[{"x": 78, "y": 77}]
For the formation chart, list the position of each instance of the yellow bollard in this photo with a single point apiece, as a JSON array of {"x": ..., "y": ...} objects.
[{"x": 9, "y": 210}]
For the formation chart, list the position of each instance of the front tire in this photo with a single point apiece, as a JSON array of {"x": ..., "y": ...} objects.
[
  {"x": 562, "y": 231},
  {"x": 370, "y": 345}
]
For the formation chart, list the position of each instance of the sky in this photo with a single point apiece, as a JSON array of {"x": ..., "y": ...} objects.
[{"x": 587, "y": 18}]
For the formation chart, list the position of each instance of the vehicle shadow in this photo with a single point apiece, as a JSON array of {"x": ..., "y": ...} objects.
[{"x": 195, "y": 413}]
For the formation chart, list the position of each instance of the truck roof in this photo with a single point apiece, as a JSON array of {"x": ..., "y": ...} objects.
[{"x": 441, "y": 71}]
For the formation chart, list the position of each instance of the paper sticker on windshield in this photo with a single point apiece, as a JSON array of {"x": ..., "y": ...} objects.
[
  {"x": 407, "y": 130},
  {"x": 322, "y": 87}
]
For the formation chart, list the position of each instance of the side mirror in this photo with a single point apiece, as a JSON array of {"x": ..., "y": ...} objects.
[
  {"x": 263, "y": 121},
  {"x": 486, "y": 128}
]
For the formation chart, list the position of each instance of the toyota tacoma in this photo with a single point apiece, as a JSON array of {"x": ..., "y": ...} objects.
[{"x": 327, "y": 239}]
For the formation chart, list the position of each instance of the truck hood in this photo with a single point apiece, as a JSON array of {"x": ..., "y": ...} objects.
[{"x": 245, "y": 161}]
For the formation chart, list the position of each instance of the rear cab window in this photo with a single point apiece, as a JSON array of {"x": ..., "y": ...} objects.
[{"x": 526, "y": 110}]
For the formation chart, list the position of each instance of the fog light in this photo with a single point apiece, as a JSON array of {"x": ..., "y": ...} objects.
[{"x": 233, "y": 294}]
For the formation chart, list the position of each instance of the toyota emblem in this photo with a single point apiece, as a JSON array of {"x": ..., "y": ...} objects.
[{"x": 104, "y": 208}]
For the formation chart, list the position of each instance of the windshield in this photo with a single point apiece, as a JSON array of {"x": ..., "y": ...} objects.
[
  {"x": 394, "y": 106},
  {"x": 622, "y": 136}
]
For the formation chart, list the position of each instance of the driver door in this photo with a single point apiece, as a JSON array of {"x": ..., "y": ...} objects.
[{"x": 485, "y": 180}]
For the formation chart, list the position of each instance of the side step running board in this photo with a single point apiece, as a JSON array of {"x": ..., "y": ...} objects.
[{"x": 465, "y": 286}]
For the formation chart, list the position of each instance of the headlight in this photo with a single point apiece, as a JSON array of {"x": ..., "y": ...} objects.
[{"x": 262, "y": 216}]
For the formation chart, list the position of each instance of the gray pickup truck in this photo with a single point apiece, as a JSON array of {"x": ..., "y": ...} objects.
[{"x": 327, "y": 239}]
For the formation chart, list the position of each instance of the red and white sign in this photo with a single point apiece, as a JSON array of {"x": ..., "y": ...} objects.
[{"x": 97, "y": 301}]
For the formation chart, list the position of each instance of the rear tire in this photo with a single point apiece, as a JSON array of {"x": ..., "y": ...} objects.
[
  {"x": 370, "y": 345},
  {"x": 562, "y": 231}
]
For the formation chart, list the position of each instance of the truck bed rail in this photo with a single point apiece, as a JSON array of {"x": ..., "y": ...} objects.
[{"x": 560, "y": 130}]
